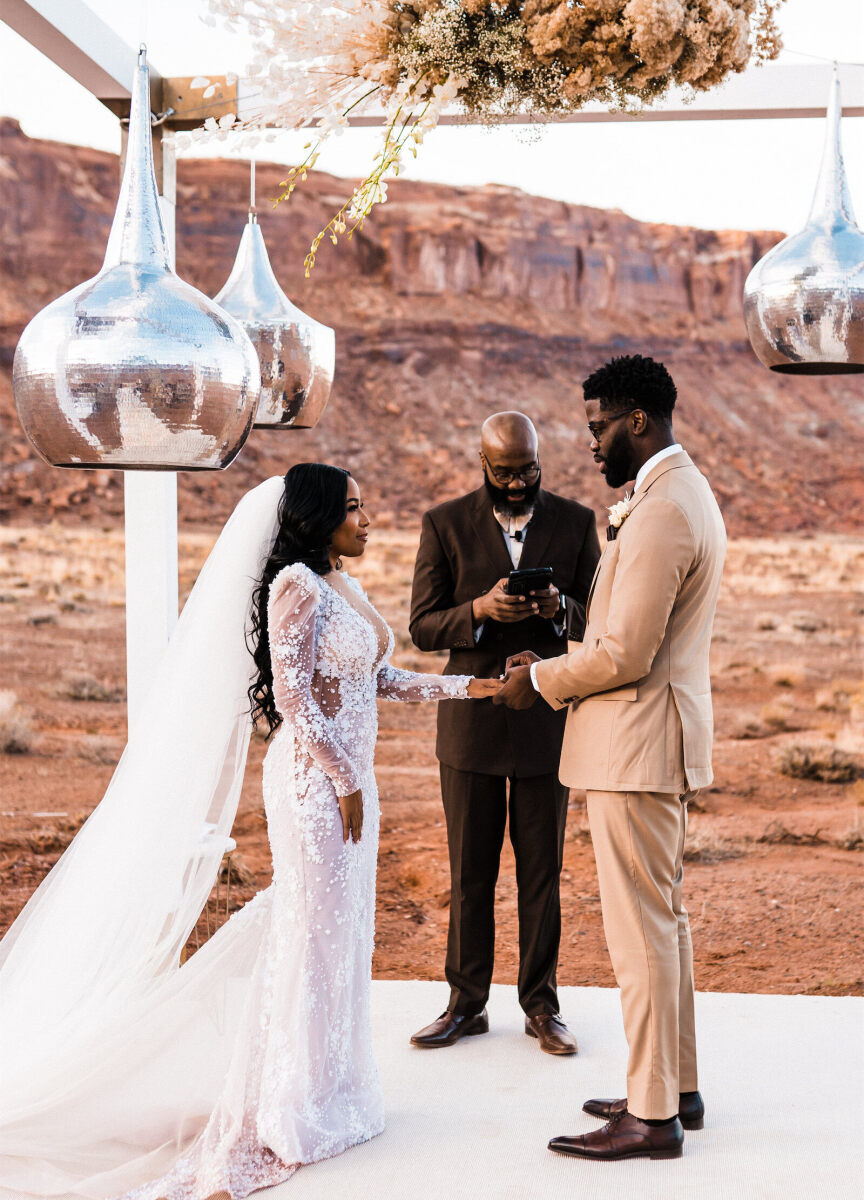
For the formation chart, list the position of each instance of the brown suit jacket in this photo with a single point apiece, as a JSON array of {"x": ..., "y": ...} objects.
[
  {"x": 462, "y": 555},
  {"x": 638, "y": 687}
]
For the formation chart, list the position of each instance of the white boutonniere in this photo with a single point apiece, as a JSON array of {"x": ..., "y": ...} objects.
[{"x": 618, "y": 514}]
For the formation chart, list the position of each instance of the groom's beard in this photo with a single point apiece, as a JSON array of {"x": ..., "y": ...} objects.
[
  {"x": 501, "y": 500},
  {"x": 617, "y": 460}
]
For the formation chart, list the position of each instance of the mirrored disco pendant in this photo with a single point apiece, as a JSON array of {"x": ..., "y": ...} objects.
[
  {"x": 804, "y": 301},
  {"x": 135, "y": 368},
  {"x": 297, "y": 355}
]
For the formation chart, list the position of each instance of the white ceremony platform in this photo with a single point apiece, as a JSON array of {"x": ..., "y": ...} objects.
[{"x": 782, "y": 1079}]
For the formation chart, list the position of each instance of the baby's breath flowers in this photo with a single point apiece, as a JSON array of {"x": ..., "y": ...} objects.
[{"x": 319, "y": 61}]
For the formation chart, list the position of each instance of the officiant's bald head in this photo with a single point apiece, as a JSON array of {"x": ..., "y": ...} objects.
[
  {"x": 511, "y": 462},
  {"x": 510, "y": 433}
]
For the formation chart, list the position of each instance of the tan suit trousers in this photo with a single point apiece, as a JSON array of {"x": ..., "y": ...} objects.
[{"x": 639, "y": 846}]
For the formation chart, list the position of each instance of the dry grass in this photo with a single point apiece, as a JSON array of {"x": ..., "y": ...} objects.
[
  {"x": 704, "y": 846},
  {"x": 776, "y": 834},
  {"x": 82, "y": 686},
  {"x": 778, "y": 718},
  {"x": 96, "y": 749},
  {"x": 48, "y": 839},
  {"x": 788, "y": 675},
  {"x": 17, "y": 732},
  {"x": 838, "y": 695},
  {"x": 823, "y": 763},
  {"x": 807, "y": 622}
]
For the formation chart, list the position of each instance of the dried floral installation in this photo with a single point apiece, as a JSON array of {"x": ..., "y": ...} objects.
[{"x": 320, "y": 61}]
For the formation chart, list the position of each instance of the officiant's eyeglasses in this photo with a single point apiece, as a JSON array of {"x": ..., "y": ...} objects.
[
  {"x": 527, "y": 474},
  {"x": 595, "y": 428}
]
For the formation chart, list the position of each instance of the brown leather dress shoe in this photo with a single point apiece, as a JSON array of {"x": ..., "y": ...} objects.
[
  {"x": 552, "y": 1033},
  {"x": 449, "y": 1028},
  {"x": 625, "y": 1136},
  {"x": 691, "y": 1109}
]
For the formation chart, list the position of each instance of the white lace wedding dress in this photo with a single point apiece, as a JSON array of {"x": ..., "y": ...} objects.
[
  {"x": 303, "y": 1084},
  {"x": 255, "y": 1056}
]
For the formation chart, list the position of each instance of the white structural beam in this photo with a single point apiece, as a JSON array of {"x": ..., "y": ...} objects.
[
  {"x": 760, "y": 93},
  {"x": 76, "y": 40},
  {"x": 80, "y": 43}
]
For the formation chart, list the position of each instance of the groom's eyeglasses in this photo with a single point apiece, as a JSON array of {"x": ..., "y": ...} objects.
[
  {"x": 527, "y": 474},
  {"x": 596, "y": 428}
]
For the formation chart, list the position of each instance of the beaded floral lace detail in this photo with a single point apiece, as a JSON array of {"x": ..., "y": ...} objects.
[{"x": 303, "y": 1084}]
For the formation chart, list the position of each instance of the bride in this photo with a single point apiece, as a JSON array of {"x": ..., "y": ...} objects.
[{"x": 127, "y": 1075}]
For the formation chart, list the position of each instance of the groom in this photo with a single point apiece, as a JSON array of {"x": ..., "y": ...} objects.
[{"x": 638, "y": 739}]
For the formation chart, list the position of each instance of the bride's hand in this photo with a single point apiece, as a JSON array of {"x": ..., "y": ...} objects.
[
  {"x": 479, "y": 689},
  {"x": 351, "y": 808}
]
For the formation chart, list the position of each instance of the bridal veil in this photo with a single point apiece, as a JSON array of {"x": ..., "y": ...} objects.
[{"x": 89, "y": 978}]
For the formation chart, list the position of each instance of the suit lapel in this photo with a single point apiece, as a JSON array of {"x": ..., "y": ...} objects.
[
  {"x": 674, "y": 461},
  {"x": 489, "y": 534},
  {"x": 668, "y": 464},
  {"x": 538, "y": 533}
]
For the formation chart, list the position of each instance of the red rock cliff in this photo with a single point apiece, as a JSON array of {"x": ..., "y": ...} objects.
[{"x": 451, "y": 304}]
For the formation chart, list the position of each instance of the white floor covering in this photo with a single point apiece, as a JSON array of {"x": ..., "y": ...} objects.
[{"x": 781, "y": 1076}]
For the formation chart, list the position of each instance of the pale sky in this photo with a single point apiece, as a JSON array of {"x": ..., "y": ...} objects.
[{"x": 714, "y": 174}]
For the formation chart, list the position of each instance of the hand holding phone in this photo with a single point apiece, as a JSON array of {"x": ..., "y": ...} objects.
[{"x": 532, "y": 579}]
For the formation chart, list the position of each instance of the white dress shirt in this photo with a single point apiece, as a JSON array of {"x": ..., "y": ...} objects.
[
  {"x": 644, "y": 470},
  {"x": 648, "y": 467}
]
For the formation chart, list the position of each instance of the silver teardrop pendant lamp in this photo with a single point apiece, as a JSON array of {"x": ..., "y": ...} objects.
[
  {"x": 134, "y": 368},
  {"x": 804, "y": 301},
  {"x": 296, "y": 354}
]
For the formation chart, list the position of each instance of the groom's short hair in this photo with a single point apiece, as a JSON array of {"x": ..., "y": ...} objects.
[{"x": 633, "y": 379}]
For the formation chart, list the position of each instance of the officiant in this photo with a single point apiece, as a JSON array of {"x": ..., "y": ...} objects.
[{"x": 494, "y": 761}]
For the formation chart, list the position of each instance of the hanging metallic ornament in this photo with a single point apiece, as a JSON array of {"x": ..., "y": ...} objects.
[
  {"x": 804, "y": 301},
  {"x": 135, "y": 368},
  {"x": 296, "y": 354}
]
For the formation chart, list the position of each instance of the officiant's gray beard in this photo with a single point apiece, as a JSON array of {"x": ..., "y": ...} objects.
[{"x": 500, "y": 497}]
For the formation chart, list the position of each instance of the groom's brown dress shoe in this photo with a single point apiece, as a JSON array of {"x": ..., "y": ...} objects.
[
  {"x": 449, "y": 1028},
  {"x": 625, "y": 1136},
  {"x": 691, "y": 1109},
  {"x": 552, "y": 1033}
]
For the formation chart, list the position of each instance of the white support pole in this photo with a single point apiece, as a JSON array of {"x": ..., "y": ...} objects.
[{"x": 150, "y": 499}]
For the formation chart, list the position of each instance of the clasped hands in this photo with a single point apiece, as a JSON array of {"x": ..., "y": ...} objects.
[{"x": 515, "y": 689}]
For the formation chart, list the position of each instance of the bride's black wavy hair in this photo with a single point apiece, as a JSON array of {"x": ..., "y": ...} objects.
[{"x": 313, "y": 504}]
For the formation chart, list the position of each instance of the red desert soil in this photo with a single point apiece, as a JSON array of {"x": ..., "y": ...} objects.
[{"x": 774, "y": 882}]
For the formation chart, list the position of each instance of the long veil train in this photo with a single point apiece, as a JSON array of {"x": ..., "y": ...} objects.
[{"x": 90, "y": 989}]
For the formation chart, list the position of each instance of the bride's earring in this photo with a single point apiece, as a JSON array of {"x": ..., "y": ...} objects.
[{"x": 337, "y": 566}]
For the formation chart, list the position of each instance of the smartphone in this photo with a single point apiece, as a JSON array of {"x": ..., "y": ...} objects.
[{"x": 532, "y": 579}]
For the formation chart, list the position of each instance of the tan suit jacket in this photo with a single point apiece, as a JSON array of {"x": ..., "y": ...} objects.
[{"x": 638, "y": 687}]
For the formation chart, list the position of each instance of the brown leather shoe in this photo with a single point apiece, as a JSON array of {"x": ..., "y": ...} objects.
[
  {"x": 449, "y": 1028},
  {"x": 691, "y": 1109},
  {"x": 553, "y": 1034},
  {"x": 625, "y": 1136}
]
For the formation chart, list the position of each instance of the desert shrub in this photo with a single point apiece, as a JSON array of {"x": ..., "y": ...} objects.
[
  {"x": 777, "y": 717},
  {"x": 807, "y": 622},
  {"x": 838, "y": 694},
  {"x": 234, "y": 870},
  {"x": 852, "y": 839},
  {"x": 824, "y": 763},
  {"x": 96, "y": 749},
  {"x": 776, "y": 834},
  {"x": 87, "y": 687},
  {"x": 703, "y": 846},
  {"x": 17, "y": 733},
  {"x": 788, "y": 675},
  {"x": 766, "y": 622}
]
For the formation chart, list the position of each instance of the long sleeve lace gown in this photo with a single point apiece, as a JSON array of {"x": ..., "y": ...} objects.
[
  {"x": 303, "y": 1084},
  {"x": 256, "y": 1057}
]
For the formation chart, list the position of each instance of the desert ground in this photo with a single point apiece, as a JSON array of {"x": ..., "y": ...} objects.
[{"x": 774, "y": 881}]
